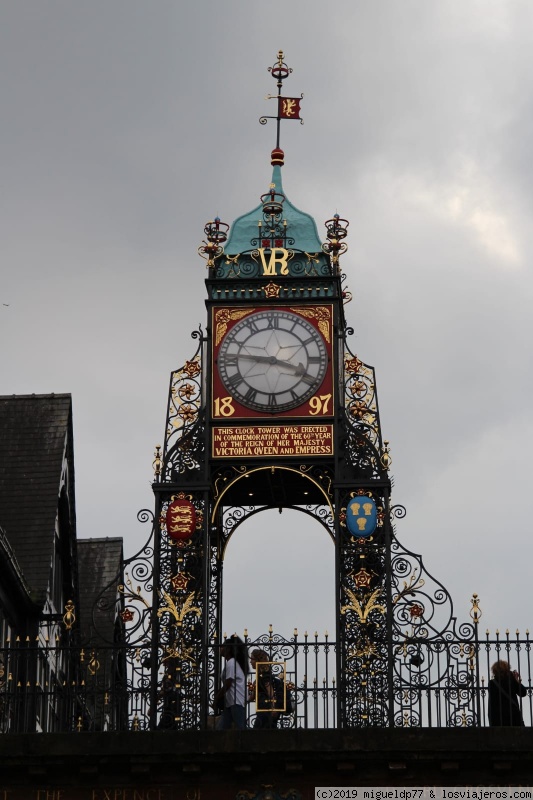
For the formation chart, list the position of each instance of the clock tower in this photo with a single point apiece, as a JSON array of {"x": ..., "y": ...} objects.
[{"x": 273, "y": 410}]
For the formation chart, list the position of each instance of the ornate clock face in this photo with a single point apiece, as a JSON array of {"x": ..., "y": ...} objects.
[{"x": 272, "y": 361}]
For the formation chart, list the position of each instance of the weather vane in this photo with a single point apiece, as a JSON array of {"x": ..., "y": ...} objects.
[{"x": 288, "y": 107}]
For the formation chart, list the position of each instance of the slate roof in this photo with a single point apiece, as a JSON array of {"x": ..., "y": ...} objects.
[
  {"x": 9, "y": 557},
  {"x": 34, "y": 433},
  {"x": 99, "y": 568}
]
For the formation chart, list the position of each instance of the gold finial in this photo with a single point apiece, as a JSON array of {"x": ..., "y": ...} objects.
[
  {"x": 69, "y": 617},
  {"x": 336, "y": 231},
  {"x": 386, "y": 459},
  {"x": 216, "y": 233},
  {"x": 156, "y": 463},
  {"x": 475, "y": 611}
]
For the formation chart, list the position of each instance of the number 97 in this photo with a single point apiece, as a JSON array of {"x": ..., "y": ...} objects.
[{"x": 319, "y": 404}]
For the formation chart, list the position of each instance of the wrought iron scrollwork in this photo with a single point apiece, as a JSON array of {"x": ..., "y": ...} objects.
[
  {"x": 363, "y": 614},
  {"x": 434, "y": 658},
  {"x": 362, "y": 444},
  {"x": 184, "y": 433}
]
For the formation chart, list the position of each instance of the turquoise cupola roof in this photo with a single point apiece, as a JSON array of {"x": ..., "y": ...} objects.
[{"x": 301, "y": 227}]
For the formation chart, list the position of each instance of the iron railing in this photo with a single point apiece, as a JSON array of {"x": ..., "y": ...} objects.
[{"x": 53, "y": 685}]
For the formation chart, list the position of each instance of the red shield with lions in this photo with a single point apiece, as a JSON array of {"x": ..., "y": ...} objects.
[{"x": 181, "y": 519}]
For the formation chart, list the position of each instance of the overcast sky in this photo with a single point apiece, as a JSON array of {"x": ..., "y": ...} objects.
[{"x": 127, "y": 125}]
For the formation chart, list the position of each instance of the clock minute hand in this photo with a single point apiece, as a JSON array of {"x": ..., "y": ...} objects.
[
  {"x": 298, "y": 369},
  {"x": 261, "y": 359}
]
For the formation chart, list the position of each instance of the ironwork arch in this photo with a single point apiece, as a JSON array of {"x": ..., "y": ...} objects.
[
  {"x": 256, "y": 510},
  {"x": 230, "y": 517}
]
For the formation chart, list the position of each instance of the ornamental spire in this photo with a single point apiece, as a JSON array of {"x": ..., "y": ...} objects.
[{"x": 288, "y": 107}]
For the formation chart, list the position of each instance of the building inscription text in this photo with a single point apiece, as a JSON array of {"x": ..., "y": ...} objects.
[{"x": 255, "y": 441}]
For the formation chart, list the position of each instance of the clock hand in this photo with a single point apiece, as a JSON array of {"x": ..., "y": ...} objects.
[
  {"x": 261, "y": 359},
  {"x": 299, "y": 369}
]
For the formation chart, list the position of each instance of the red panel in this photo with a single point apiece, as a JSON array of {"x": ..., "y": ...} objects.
[
  {"x": 225, "y": 408},
  {"x": 181, "y": 519}
]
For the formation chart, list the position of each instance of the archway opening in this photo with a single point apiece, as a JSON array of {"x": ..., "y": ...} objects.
[{"x": 279, "y": 570}]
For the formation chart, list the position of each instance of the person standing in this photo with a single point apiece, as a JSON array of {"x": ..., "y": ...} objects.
[
  {"x": 264, "y": 693},
  {"x": 232, "y": 691},
  {"x": 505, "y": 688},
  {"x": 269, "y": 692}
]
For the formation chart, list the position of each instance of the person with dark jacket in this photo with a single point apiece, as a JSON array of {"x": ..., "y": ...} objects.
[
  {"x": 505, "y": 688},
  {"x": 269, "y": 692}
]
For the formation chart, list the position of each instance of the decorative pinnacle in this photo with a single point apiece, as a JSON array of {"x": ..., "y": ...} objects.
[
  {"x": 156, "y": 463},
  {"x": 272, "y": 202},
  {"x": 216, "y": 233},
  {"x": 288, "y": 107},
  {"x": 386, "y": 459},
  {"x": 280, "y": 70},
  {"x": 336, "y": 231}
]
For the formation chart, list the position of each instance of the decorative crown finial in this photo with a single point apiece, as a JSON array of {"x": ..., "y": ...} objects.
[
  {"x": 288, "y": 107},
  {"x": 216, "y": 233},
  {"x": 336, "y": 231}
]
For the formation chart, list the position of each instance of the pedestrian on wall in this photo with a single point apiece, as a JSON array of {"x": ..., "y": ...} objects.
[
  {"x": 505, "y": 688},
  {"x": 232, "y": 692}
]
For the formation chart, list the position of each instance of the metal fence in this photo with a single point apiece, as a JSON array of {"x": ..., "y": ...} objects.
[{"x": 51, "y": 685}]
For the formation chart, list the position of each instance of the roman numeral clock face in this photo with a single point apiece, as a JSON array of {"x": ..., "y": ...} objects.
[{"x": 272, "y": 361}]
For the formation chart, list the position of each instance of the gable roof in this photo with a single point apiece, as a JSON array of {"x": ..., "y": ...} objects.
[{"x": 34, "y": 433}]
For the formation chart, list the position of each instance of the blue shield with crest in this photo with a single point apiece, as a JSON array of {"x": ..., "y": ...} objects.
[{"x": 361, "y": 516}]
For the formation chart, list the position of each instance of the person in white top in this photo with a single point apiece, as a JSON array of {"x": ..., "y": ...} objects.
[{"x": 233, "y": 686}]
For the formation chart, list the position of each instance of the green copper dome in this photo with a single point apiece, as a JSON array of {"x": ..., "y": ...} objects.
[{"x": 301, "y": 227}]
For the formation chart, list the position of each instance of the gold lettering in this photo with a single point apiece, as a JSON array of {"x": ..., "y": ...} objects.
[
  {"x": 42, "y": 794},
  {"x": 270, "y": 268},
  {"x": 117, "y": 793}
]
